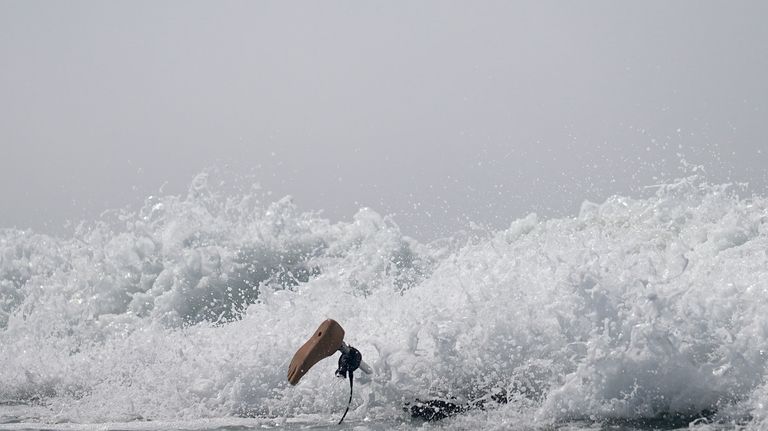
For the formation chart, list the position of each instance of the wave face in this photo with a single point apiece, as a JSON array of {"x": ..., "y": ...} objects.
[{"x": 191, "y": 308}]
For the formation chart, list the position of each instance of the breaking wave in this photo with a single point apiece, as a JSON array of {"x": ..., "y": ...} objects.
[{"x": 191, "y": 307}]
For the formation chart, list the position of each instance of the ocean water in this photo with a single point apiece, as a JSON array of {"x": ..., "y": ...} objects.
[{"x": 637, "y": 313}]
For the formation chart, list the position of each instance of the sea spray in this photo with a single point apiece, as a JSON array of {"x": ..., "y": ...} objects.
[{"x": 191, "y": 306}]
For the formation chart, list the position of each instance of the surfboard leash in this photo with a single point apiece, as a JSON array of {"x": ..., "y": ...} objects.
[{"x": 349, "y": 361}]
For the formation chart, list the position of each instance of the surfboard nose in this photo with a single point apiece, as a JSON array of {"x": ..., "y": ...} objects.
[{"x": 326, "y": 340}]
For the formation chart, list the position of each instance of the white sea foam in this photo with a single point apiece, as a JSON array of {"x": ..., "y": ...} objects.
[{"x": 191, "y": 307}]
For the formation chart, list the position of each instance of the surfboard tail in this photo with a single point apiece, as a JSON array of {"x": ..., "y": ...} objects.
[{"x": 327, "y": 339}]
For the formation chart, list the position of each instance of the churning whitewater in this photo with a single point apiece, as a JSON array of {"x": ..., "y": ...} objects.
[{"x": 191, "y": 307}]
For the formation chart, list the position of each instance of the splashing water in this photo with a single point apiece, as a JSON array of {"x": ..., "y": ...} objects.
[{"x": 190, "y": 308}]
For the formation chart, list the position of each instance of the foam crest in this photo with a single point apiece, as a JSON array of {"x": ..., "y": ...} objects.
[{"x": 191, "y": 307}]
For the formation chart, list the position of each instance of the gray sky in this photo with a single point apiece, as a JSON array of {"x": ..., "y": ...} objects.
[{"x": 437, "y": 112}]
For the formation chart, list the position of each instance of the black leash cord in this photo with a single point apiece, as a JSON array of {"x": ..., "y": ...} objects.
[
  {"x": 349, "y": 361},
  {"x": 349, "y": 403}
]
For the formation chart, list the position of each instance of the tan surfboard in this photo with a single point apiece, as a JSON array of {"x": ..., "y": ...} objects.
[{"x": 326, "y": 340}]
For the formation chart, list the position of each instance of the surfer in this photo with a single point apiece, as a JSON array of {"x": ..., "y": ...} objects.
[{"x": 329, "y": 339}]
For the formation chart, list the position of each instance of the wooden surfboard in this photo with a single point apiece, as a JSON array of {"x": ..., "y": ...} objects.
[{"x": 326, "y": 340}]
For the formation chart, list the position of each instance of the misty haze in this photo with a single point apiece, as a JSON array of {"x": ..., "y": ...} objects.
[{"x": 524, "y": 215}]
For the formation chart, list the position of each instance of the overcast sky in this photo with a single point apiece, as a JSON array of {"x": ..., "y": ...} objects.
[{"x": 437, "y": 112}]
